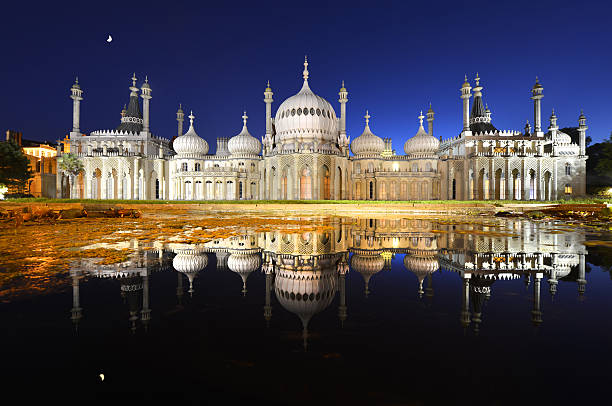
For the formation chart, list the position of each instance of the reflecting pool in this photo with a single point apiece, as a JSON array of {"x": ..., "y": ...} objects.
[{"x": 363, "y": 311}]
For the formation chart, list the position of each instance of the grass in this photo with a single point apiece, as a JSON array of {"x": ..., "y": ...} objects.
[{"x": 356, "y": 202}]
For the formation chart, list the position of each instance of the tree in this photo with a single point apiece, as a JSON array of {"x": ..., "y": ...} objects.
[
  {"x": 14, "y": 166},
  {"x": 71, "y": 164}
]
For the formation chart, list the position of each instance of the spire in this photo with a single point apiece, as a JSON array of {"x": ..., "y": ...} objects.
[
  {"x": 305, "y": 73},
  {"x": 191, "y": 117},
  {"x": 134, "y": 79},
  {"x": 367, "y": 118},
  {"x": 477, "y": 79},
  {"x": 244, "y": 118},
  {"x": 421, "y": 117}
]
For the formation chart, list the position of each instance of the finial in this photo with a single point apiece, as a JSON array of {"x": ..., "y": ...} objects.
[
  {"x": 244, "y": 118},
  {"x": 477, "y": 79},
  {"x": 305, "y": 74},
  {"x": 146, "y": 78},
  {"x": 76, "y": 80},
  {"x": 191, "y": 117},
  {"x": 268, "y": 82},
  {"x": 124, "y": 106},
  {"x": 342, "y": 83},
  {"x": 466, "y": 77},
  {"x": 134, "y": 79},
  {"x": 181, "y": 106},
  {"x": 367, "y": 118},
  {"x": 421, "y": 117}
]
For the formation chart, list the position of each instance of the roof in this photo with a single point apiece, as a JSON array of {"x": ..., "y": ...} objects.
[{"x": 133, "y": 110}]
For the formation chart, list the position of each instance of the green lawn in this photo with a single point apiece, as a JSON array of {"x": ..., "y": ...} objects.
[{"x": 495, "y": 202}]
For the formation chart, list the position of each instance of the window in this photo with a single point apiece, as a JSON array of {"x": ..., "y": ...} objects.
[
  {"x": 568, "y": 189},
  {"x": 184, "y": 167},
  {"x": 293, "y": 112},
  {"x": 299, "y": 111},
  {"x": 415, "y": 168},
  {"x": 312, "y": 111},
  {"x": 568, "y": 169},
  {"x": 197, "y": 167}
]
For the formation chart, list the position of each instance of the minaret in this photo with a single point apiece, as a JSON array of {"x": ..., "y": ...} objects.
[
  {"x": 553, "y": 127},
  {"x": 343, "y": 140},
  {"x": 536, "y": 97},
  {"x": 343, "y": 269},
  {"x": 76, "y": 312},
  {"x": 268, "y": 100},
  {"x": 180, "y": 117},
  {"x": 582, "y": 127},
  {"x": 430, "y": 119},
  {"x": 76, "y": 95},
  {"x": 536, "y": 313},
  {"x": 465, "y": 301},
  {"x": 527, "y": 128},
  {"x": 268, "y": 268},
  {"x": 465, "y": 95},
  {"x": 146, "y": 96}
]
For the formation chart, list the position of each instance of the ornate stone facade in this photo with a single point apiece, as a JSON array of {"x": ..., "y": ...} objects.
[{"x": 304, "y": 155}]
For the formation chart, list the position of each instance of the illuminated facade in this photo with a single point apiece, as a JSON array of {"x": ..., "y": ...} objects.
[{"x": 304, "y": 155}]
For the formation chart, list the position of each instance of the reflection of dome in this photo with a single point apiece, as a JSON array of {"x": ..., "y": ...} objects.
[
  {"x": 305, "y": 293},
  {"x": 367, "y": 266},
  {"x": 244, "y": 143},
  {"x": 367, "y": 143},
  {"x": 306, "y": 117},
  {"x": 421, "y": 267},
  {"x": 422, "y": 143},
  {"x": 243, "y": 264},
  {"x": 189, "y": 263},
  {"x": 190, "y": 142}
]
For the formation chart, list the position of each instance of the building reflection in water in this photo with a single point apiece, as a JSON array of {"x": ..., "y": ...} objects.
[{"x": 307, "y": 270}]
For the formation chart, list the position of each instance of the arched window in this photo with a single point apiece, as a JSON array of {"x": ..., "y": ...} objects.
[
  {"x": 184, "y": 167},
  {"x": 197, "y": 167},
  {"x": 371, "y": 190},
  {"x": 415, "y": 167},
  {"x": 568, "y": 169},
  {"x": 568, "y": 189},
  {"x": 306, "y": 184},
  {"x": 252, "y": 167},
  {"x": 428, "y": 167},
  {"x": 358, "y": 168}
]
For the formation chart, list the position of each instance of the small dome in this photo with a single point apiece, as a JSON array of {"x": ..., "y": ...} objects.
[
  {"x": 187, "y": 261},
  {"x": 190, "y": 143},
  {"x": 244, "y": 143},
  {"x": 367, "y": 143},
  {"x": 465, "y": 83},
  {"x": 422, "y": 143},
  {"x": 563, "y": 138}
]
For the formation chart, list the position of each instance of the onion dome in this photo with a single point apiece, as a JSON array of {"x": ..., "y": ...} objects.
[
  {"x": 132, "y": 120},
  {"x": 243, "y": 264},
  {"x": 367, "y": 266},
  {"x": 465, "y": 83},
  {"x": 367, "y": 143},
  {"x": 244, "y": 143},
  {"x": 190, "y": 143},
  {"x": 189, "y": 263},
  {"x": 146, "y": 85},
  {"x": 305, "y": 118},
  {"x": 422, "y": 143},
  {"x": 421, "y": 267}
]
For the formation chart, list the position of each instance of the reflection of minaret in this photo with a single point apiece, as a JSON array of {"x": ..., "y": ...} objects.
[
  {"x": 145, "y": 314},
  {"x": 269, "y": 270},
  {"x": 76, "y": 313},
  {"x": 343, "y": 269},
  {"x": 581, "y": 276},
  {"x": 429, "y": 292},
  {"x": 465, "y": 301},
  {"x": 536, "y": 313},
  {"x": 179, "y": 289}
]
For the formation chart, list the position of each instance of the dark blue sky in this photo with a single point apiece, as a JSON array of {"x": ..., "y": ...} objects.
[{"x": 395, "y": 57}]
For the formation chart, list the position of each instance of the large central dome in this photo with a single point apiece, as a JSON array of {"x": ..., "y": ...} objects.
[{"x": 305, "y": 119}]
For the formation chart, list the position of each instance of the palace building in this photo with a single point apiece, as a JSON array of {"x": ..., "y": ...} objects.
[{"x": 305, "y": 154}]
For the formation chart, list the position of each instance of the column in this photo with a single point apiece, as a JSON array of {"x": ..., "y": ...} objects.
[
  {"x": 315, "y": 178},
  {"x": 136, "y": 194}
]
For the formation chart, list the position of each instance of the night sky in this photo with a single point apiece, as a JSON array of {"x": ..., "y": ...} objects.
[{"x": 394, "y": 56}]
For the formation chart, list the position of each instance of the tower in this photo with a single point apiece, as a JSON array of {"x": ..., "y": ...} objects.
[
  {"x": 430, "y": 119},
  {"x": 180, "y": 117},
  {"x": 465, "y": 95},
  {"x": 76, "y": 95},
  {"x": 267, "y": 141},
  {"x": 582, "y": 127},
  {"x": 146, "y": 96},
  {"x": 537, "y": 95},
  {"x": 343, "y": 140}
]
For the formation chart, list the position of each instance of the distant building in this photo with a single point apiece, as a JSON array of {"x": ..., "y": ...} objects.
[
  {"x": 43, "y": 162},
  {"x": 304, "y": 155}
]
